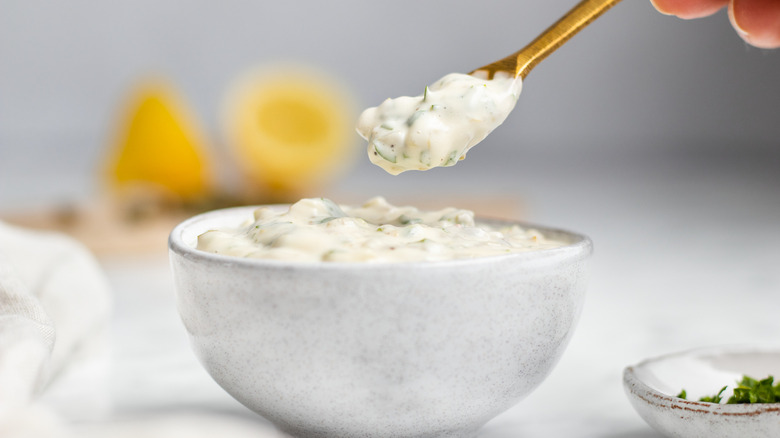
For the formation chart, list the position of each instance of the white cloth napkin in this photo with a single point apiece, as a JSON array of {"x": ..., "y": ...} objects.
[
  {"x": 54, "y": 305},
  {"x": 54, "y": 319}
]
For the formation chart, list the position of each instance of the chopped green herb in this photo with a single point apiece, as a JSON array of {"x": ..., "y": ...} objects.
[
  {"x": 386, "y": 126},
  {"x": 451, "y": 159},
  {"x": 425, "y": 157},
  {"x": 748, "y": 390},
  {"x": 410, "y": 121},
  {"x": 406, "y": 220},
  {"x": 384, "y": 153},
  {"x": 715, "y": 398},
  {"x": 425, "y": 94},
  {"x": 333, "y": 208}
]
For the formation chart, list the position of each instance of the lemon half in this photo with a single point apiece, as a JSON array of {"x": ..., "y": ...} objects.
[
  {"x": 291, "y": 128},
  {"x": 160, "y": 146}
]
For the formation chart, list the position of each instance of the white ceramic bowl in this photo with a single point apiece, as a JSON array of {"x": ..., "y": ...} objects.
[
  {"x": 425, "y": 349},
  {"x": 652, "y": 387}
]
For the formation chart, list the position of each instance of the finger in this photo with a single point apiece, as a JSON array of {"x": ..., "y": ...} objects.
[
  {"x": 757, "y": 21},
  {"x": 689, "y": 8}
]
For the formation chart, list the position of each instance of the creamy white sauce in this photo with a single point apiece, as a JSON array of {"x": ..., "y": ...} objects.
[
  {"x": 319, "y": 230},
  {"x": 438, "y": 127}
]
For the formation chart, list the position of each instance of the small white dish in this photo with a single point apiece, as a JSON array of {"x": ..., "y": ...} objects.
[{"x": 652, "y": 387}]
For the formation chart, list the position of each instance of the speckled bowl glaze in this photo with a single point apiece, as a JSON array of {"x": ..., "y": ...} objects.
[
  {"x": 652, "y": 387},
  {"x": 343, "y": 350}
]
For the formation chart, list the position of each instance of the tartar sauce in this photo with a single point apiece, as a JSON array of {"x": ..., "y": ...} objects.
[
  {"x": 317, "y": 229},
  {"x": 438, "y": 127}
]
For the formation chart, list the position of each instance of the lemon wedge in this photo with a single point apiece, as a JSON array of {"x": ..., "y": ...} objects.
[
  {"x": 290, "y": 129},
  {"x": 160, "y": 147}
]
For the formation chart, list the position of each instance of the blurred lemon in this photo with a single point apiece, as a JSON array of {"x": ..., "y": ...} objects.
[
  {"x": 290, "y": 128},
  {"x": 159, "y": 147}
]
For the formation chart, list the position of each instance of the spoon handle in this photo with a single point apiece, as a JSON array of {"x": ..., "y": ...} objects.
[
  {"x": 561, "y": 31},
  {"x": 521, "y": 62}
]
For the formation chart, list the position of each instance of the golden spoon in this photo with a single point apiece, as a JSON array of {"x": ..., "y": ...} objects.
[{"x": 520, "y": 64}]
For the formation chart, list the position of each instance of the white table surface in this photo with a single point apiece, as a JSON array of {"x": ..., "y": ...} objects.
[{"x": 687, "y": 255}]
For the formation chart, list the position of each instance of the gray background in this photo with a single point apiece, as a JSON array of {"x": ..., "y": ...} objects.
[{"x": 636, "y": 82}]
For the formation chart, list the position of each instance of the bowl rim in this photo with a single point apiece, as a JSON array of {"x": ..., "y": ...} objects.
[
  {"x": 636, "y": 387},
  {"x": 581, "y": 247}
]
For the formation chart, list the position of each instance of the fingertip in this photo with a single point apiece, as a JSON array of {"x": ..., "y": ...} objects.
[
  {"x": 689, "y": 9},
  {"x": 757, "y": 22},
  {"x": 661, "y": 7}
]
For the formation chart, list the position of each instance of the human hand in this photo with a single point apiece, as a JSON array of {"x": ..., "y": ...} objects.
[{"x": 756, "y": 21}]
